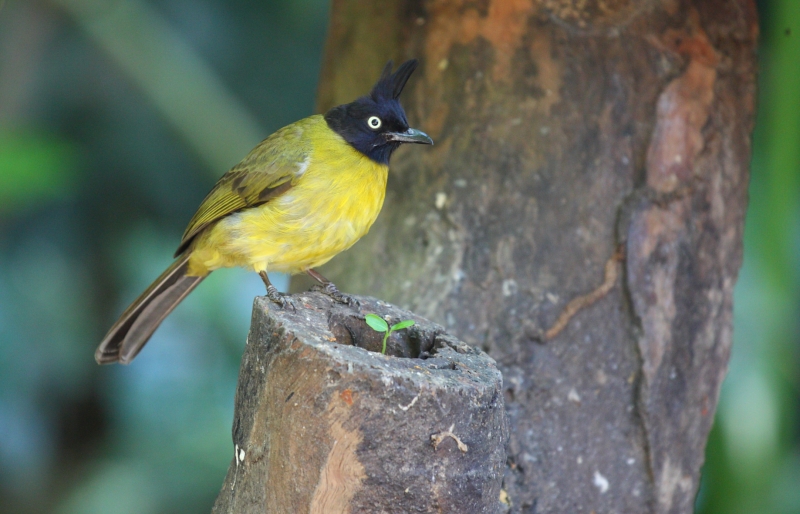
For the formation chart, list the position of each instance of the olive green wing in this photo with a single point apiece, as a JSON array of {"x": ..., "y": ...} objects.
[{"x": 269, "y": 170}]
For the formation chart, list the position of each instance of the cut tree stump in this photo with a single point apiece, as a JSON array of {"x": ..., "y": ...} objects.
[{"x": 324, "y": 423}]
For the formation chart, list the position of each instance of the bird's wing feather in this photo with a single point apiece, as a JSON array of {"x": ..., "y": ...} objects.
[{"x": 269, "y": 170}]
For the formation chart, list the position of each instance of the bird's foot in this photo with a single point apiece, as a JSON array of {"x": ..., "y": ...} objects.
[
  {"x": 280, "y": 298},
  {"x": 274, "y": 295},
  {"x": 327, "y": 287},
  {"x": 331, "y": 290}
]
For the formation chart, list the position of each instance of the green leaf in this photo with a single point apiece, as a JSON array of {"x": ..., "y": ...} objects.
[
  {"x": 403, "y": 324},
  {"x": 376, "y": 323}
]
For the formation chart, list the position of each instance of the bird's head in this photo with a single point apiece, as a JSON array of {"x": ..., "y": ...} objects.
[{"x": 376, "y": 124}]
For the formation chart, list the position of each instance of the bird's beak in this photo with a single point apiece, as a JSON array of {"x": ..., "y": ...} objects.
[{"x": 410, "y": 136}]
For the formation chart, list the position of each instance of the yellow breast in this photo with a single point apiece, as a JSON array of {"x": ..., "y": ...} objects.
[{"x": 331, "y": 205}]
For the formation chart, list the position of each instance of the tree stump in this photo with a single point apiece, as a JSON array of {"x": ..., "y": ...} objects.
[{"x": 325, "y": 423}]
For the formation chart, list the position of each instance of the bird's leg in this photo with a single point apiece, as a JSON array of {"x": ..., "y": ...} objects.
[
  {"x": 330, "y": 289},
  {"x": 273, "y": 294}
]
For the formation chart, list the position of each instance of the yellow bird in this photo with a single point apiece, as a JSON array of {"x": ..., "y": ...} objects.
[{"x": 304, "y": 194}]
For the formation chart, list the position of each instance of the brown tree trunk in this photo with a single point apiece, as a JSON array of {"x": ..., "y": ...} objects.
[{"x": 594, "y": 151}]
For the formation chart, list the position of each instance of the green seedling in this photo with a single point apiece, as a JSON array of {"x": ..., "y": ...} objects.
[{"x": 378, "y": 324}]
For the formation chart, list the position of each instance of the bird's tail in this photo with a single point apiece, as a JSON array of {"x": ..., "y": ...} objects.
[{"x": 133, "y": 329}]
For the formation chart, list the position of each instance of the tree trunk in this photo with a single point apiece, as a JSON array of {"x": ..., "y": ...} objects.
[
  {"x": 580, "y": 218},
  {"x": 323, "y": 427}
]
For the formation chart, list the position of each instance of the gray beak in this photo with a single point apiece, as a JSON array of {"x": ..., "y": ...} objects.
[{"x": 410, "y": 136}]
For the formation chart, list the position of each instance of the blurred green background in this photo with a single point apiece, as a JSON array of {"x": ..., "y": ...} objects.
[{"x": 117, "y": 116}]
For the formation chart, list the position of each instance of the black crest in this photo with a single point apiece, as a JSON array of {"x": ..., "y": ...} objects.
[{"x": 390, "y": 85}]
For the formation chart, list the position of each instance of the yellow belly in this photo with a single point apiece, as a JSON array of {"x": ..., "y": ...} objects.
[{"x": 328, "y": 209}]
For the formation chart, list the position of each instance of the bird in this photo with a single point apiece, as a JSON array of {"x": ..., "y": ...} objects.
[{"x": 303, "y": 195}]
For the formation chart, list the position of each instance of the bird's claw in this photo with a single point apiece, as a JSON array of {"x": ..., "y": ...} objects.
[
  {"x": 351, "y": 302},
  {"x": 331, "y": 290},
  {"x": 281, "y": 299}
]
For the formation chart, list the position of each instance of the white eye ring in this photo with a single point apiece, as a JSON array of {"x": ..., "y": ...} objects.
[{"x": 374, "y": 122}]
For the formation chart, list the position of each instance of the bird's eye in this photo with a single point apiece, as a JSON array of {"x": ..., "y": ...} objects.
[{"x": 374, "y": 122}]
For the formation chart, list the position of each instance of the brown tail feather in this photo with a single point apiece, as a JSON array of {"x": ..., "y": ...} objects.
[{"x": 133, "y": 329}]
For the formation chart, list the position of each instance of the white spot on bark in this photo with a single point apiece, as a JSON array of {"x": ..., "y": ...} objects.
[
  {"x": 573, "y": 396},
  {"x": 441, "y": 200},
  {"x": 600, "y": 482},
  {"x": 510, "y": 287}
]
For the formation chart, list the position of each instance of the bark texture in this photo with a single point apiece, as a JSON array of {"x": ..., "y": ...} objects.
[
  {"x": 567, "y": 131},
  {"x": 324, "y": 426}
]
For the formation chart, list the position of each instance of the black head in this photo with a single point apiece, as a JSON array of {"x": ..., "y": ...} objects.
[{"x": 376, "y": 125}]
